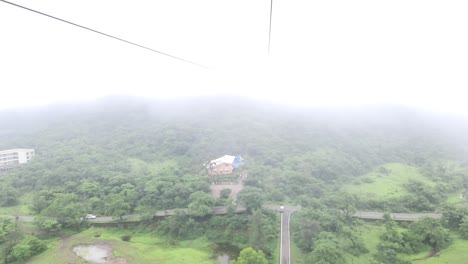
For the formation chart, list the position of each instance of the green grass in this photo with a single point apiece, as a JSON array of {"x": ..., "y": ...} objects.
[
  {"x": 21, "y": 209},
  {"x": 456, "y": 253},
  {"x": 418, "y": 255},
  {"x": 297, "y": 257},
  {"x": 15, "y": 210},
  {"x": 143, "y": 248},
  {"x": 370, "y": 233},
  {"x": 454, "y": 198},
  {"x": 378, "y": 185},
  {"x": 276, "y": 251}
]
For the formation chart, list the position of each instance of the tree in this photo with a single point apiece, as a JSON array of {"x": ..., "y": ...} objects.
[
  {"x": 6, "y": 227},
  {"x": 66, "y": 209},
  {"x": 346, "y": 203},
  {"x": 117, "y": 206},
  {"x": 327, "y": 250},
  {"x": 250, "y": 256},
  {"x": 8, "y": 196},
  {"x": 230, "y": 206},
  {"x": 262, "y": 229},
  {"x": 431, "y": 232},
  {"x": 388, "y": 255},
  {"x": 463, "y": 229},
  {"x": 306, "y": 229},
  {"x": 251, "y": 198},
  {"x": 225, "y": 193},
  {"x": 27, "y": 248},
  {"x": 352, "y": 241},
  {"x": 50, "y": 226},
  {"x": 201, "y": 204},
  {"x": 391, "y": 243},
  {"x": 453, "y": 216}
]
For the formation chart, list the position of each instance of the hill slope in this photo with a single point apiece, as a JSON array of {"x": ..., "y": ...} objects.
[{"x": 108, "y": 150}]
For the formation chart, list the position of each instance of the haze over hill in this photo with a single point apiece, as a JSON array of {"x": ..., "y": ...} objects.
[
  {"x": 196, "y": 130},
  {"x": 125, "y": 155},
  {"x": 205, "y": 127}
]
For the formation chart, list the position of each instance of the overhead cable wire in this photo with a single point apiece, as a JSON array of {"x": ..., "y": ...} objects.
[
  {"x": 269, "y": 30},
  {"x": 104, "y": 34}
]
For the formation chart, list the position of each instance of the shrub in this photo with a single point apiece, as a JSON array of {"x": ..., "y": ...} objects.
[{"x": 126, "y": 238}]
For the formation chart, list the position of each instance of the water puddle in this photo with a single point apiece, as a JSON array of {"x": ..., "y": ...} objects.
[
  {"x": 225, "y": 253},
  {"x": 223, "y": 259},
  {"x": 94, "y": 254}
]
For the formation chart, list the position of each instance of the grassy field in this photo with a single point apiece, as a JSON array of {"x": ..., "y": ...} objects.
[
  {"x": 143, "y": 248},
  {"x": 390, "y": 184},
  {"x": 15, "y": 210},
  {"x": 370, "y": 233},
  {"x": 456, "y": 253}
]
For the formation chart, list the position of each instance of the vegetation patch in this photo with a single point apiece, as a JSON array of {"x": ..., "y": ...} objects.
[
  {"x": 456, "y": 199},
  {"x": 297, "y": 256},
  {"x": 456, "y": 253},
  {"x": 386, "y": 181},
  {"x": 144, "y": 247}
]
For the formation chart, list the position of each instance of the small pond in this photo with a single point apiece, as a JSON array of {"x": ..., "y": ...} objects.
[
  {"x": 224, "y": 253},
  {"x": 94, "y": 254}
]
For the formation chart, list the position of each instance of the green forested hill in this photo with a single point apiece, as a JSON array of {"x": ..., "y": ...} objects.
[
  {"x": 118, "y": 156},
  {"x": 288, "y": 151}
]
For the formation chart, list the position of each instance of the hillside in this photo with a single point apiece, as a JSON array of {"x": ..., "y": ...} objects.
[
  {"x": 288, "y": 151},
  {"x": 119, "y": 156}
]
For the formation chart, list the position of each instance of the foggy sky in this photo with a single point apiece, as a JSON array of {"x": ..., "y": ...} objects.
[{"x": 323, "y": 52}]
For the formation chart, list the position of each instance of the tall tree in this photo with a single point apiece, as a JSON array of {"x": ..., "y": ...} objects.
[
  {"x": 251, "y": 198},
  {"x": 200, "y": 204},
  {"x": 327, "y": 250},
  {"x": 66, "y": 209},
  {"x": 250, "y": 256}
]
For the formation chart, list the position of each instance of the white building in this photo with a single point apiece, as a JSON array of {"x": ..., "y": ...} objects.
[
  {"x": 224, "y": 165},
  {"x": 13, "y": 157}
]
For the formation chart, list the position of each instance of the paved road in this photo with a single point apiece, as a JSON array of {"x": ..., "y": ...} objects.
[
  {"x": 222, "y": 210},
  {"x": 397, "y": 216},
  {"x": 219, "y": 210},
  {"x": 285, "y": 244}
]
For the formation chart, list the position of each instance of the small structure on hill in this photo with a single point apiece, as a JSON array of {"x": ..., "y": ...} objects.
[
  {"x": 225, "y": 165},
  {"x": 226, "y": 173}
]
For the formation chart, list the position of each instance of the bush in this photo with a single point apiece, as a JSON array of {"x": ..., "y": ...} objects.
[
  {"x": 27, "y": 248},
  {"x": 368, "y": 180},
  {"x": 126, "y": 238}
]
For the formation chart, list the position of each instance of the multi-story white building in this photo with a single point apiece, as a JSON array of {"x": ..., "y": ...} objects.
[{"x": 13, "y": 157}]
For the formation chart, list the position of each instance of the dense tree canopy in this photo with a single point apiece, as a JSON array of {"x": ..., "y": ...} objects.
[
  {"x": 122, "y": 156},
  {"x": 150, "y": 154},
  {"x": 250, "y": 256}
]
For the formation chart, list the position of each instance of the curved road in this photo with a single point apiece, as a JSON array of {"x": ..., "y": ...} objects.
[{"x": 285, "y": 244}]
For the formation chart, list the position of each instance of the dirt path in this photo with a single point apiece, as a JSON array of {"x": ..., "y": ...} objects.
[
  {"x": 431, "y": 254},
  {"x": 235, "y": 187}
]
